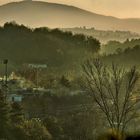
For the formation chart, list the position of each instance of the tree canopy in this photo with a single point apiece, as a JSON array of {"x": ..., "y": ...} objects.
[{"x": 21, "y": 45}]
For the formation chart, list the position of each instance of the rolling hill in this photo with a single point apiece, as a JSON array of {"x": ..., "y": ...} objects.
[
  {"x": 103, "y": 35},
  {"x": 37, "y": 14},
  {"x": 22, "y": 45}
]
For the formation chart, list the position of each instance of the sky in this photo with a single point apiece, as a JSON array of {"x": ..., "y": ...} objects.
[{"x": 117, "y": 8}]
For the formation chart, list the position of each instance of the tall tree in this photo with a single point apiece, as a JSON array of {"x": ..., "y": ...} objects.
[{"x": 113, "y": 90}]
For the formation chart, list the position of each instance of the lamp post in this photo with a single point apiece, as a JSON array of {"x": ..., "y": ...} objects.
[{"x": 5, "y": 62}]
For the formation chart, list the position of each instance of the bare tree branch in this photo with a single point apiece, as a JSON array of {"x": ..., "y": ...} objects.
[{"x": 112, "y": 89}]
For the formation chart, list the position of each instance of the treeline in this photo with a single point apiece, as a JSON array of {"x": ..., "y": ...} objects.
[
  {"x": 21, "y": 44},
  {"x": 128, "y": 57},
  {"x": 104, "y": 36},
  {"x": 116, "y": 47}
]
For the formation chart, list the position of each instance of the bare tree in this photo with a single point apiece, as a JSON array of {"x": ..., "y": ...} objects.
[{"x": 112, "y": 88}]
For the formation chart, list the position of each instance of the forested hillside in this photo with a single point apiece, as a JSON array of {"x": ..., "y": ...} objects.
[
  {"x": 53, "y": 47},
  {"x": 104, "y": 35},
  {"x": 116, "y": 47},
  {"x": 128, "y": 57}
]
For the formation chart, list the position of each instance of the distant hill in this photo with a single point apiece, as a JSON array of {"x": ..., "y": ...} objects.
[
  {"x": 37, "y": 14},
  {"x": 104, "y": 35}
]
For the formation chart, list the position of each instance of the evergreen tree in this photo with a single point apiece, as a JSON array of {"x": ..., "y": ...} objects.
[
  {"x": 17, "y": 117},
  {"x": 4, "y": 116},
  {"x": 16, "y": 113}
]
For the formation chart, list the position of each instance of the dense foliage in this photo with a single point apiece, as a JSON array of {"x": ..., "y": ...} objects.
[
  {"x": 21, "y": 45},
  {"x": 117, "y": 47},
  {"x": 128, "y": 57},
  {"x": 64, "y": 111}
]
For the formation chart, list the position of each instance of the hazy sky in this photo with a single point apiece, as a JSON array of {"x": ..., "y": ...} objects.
[{"x": 118, "y": 8}]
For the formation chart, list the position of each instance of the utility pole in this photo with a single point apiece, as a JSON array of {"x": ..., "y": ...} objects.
[
  {"x": 5, "y": 62},
  {"x": 37, "y": 79}
]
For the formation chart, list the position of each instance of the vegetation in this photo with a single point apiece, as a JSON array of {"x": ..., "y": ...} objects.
[
  {"x": 4, "y": 116},
  {"x": 127, "y": 58},
  {"x": 104, "y": 36},
  {"x": 113, "y": 91},
  {"x": 45, "y": 46},
  {"x": 115, "y": 47},
  {"x": 67, "y": 103},
  {"x": 34, "y": 130},
  {"x": 13, "y": 125}
]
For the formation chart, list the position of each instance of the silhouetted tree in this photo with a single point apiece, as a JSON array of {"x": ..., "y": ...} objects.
[{"x": 112, "y": 89}]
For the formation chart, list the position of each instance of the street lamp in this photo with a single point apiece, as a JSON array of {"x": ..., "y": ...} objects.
[{"x": 5, "y": 62}]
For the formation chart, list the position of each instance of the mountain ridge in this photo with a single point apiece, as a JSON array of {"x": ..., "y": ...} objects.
[
  {"x": 53, "y": 15},
  {"x": 58, "y": 4}
]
